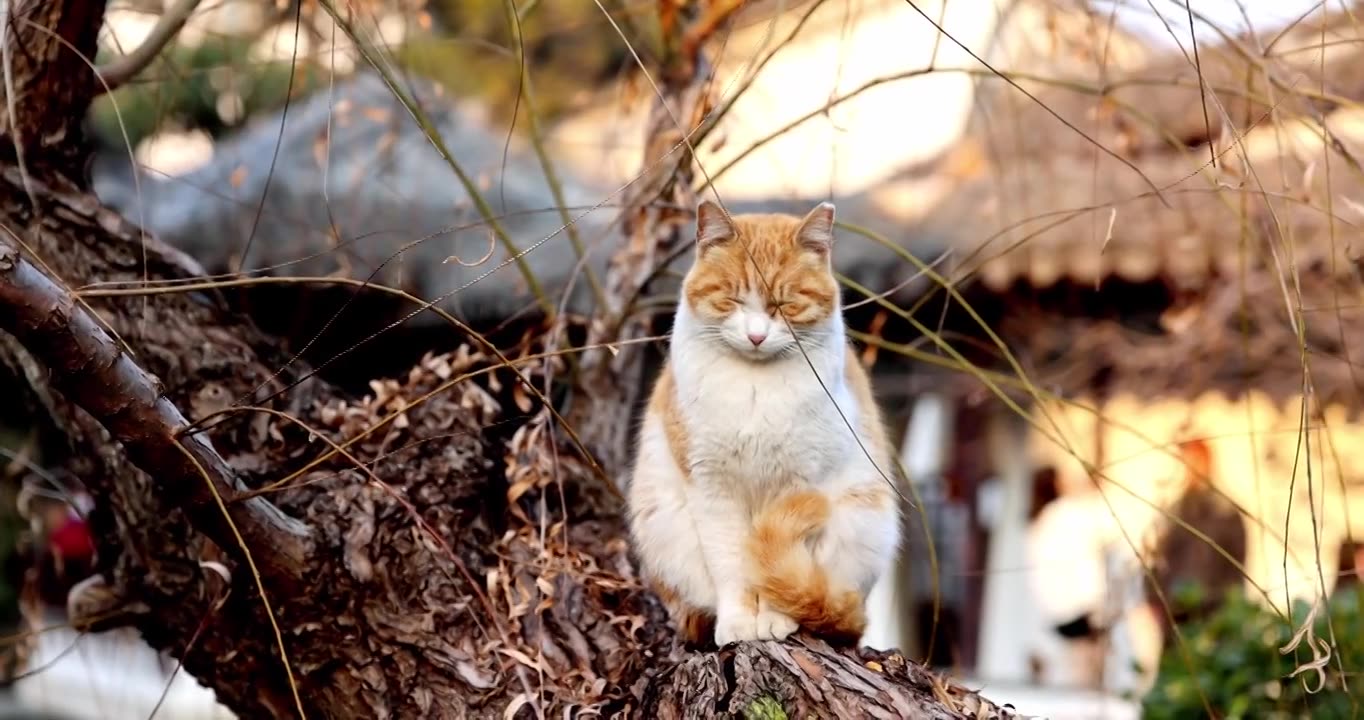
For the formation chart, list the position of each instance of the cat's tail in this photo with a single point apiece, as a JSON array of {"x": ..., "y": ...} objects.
[{"x": 789, "y": 578}]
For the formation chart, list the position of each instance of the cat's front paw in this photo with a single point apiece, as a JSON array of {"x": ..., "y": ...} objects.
[
  {"x": 773, "y": 625},
  {"x": 735, "y": 627}
]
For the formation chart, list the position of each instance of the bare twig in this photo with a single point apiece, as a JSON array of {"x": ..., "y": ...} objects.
[
  {"x": 120, "y": 71},
  {"x": 373, "y": 57}
]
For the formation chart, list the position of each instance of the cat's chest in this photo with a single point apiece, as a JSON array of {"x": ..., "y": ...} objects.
[{"x": 772, "y": 426}]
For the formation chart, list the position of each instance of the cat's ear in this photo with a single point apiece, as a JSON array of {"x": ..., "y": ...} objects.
[
  {"x": 713, "y": 226},
  {"x": 816, "y": 232}
]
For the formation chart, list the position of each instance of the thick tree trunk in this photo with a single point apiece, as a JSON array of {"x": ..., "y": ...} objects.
[
  {"x": 428, "y": 551},
  {"x": 655, "y": 219}
]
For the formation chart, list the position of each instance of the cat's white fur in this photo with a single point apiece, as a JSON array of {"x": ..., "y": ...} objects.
[{"x": 755, "y": 427}]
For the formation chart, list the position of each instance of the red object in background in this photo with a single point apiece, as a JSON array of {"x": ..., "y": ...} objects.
[
  {"x": 1197, "y": 458},
  {"x": 64, "y": 559},
  {"x": 72, "y": 540}
]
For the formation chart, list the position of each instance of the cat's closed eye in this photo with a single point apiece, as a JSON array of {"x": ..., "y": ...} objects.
[{"x": 726, "y": 304}]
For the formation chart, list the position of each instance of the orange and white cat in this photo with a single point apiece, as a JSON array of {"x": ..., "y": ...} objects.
[{"x": 761, "y": 497}]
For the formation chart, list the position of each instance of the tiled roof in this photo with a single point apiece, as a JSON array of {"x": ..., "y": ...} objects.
[{"x": 1139, "y": 198}]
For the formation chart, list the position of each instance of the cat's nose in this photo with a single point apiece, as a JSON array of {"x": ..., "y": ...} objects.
[{"x": 756, "y": 337}]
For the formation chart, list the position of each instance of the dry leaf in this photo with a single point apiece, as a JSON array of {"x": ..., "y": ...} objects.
[
  {"x": 545, "y": 586},
  {"x": 321, "y": 147},
  {"x": 523, "y": 658},
  {"x": 521, "y": 397},
  {"x": 519, "y": 488},
  {"x": 516, "y": 704},
  {"x": 475, "y": 677}
]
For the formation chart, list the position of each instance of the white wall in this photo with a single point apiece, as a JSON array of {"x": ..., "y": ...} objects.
[
  {"x": 851, "y": 148},
  {"x": 109, "y": 676}
]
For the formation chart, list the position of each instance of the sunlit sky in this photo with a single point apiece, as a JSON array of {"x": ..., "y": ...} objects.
[{"x": 1264, "y": 15}]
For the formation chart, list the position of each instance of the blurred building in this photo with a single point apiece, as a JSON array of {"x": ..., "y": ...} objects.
[{"x": 1158, "y": 284}]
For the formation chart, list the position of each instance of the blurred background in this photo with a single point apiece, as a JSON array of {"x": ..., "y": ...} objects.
[{"x": 1103, "y": 258}]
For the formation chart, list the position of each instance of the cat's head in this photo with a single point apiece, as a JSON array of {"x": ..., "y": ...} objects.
[{"x": 759, "y": 281}]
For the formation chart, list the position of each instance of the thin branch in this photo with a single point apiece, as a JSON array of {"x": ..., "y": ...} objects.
[
  {"x": 92, "y": 370},
  {"x": 1005, "y": 77},
  {"x": 120, "y": 71},
  {"x": 371, "y": 54}
]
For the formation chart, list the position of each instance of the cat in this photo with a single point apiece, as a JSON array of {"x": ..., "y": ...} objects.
[{"x": 754, "y": 508}]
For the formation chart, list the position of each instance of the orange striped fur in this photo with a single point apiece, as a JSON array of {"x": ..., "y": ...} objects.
[
  {"x": 694, "y": 625},
  {"x": 787, "y": 576},
  {"x": 663, "y": 403}
]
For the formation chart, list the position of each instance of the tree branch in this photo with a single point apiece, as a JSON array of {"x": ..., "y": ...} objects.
[
  {"x": 613, "y": 380},
  {"x": 119, "y": 71},
  {"x": 48, "y": 83},
  {"x": 804, "y": 677},
  {"x": 93, "y": 371}
]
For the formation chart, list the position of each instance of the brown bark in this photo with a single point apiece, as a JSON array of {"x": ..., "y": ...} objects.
[
  {"x": 91, "y": 369},
  {"x": 436, "y": 552},
  {"x": 655, "y": 220},
  {"x": 806, "y": 678},
  {"x": 50, "y": 84}
]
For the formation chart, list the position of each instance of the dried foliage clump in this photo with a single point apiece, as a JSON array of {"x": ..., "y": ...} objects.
[{"x": 526, "y": 593}]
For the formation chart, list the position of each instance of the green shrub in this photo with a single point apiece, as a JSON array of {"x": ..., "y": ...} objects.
[
  {"x": 182, "y": 90},
  {"x": 1233, "y": 657},
  {"x": 570, "y": 47}
]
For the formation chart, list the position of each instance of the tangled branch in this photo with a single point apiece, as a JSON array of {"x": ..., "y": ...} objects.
[{"x": 94, "y": 372}]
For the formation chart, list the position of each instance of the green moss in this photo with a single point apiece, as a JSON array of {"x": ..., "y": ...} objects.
[
  {"x": 764, "y": 708},
  {"x": 1234, "y": 662}
]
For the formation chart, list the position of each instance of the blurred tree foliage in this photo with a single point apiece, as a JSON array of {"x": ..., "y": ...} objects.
[
  {"x": 215, "y": 87},
  {"x": 570, "y": 48},
  {"x": 468, "y": 46},
  {"x": 1237, "y": 663}
]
